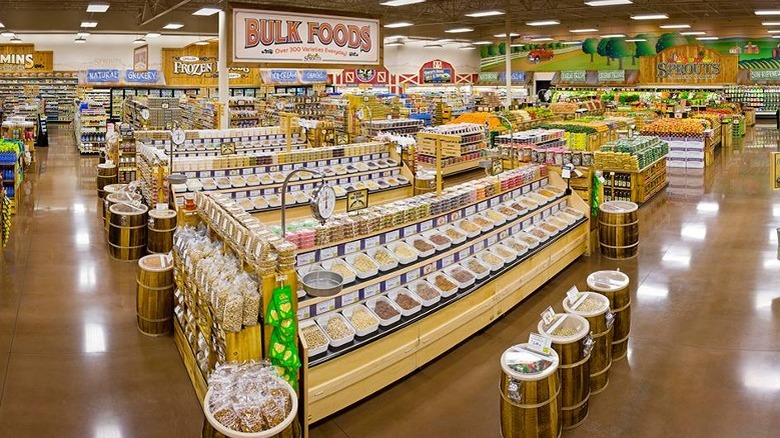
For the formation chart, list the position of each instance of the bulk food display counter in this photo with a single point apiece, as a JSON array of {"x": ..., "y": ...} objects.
[{"x": 423, "y": 274}]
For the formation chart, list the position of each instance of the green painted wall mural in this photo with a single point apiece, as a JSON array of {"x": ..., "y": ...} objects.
[{"x": 622, "y": 53}]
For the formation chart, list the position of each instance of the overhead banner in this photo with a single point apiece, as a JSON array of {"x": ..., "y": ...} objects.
[
  {"x": 689, "y": 65},
  {"x": 197, "y": 66},
  {"x": 612, "y": 75},
  {"x": 261, "y": 37},
  {"x": 437, "y": 72},
  {"x": 102, "y": 76},
  {"x": 574, "y": 76},
  {"x": 765, "y": 75},
  {"x": 294, "y": 77},
  {"x": 147, "y": 77},
  {"x": 23, "y": 58}
]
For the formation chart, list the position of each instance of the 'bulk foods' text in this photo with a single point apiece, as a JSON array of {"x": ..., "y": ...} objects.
[{"x": 690, "y": 70}]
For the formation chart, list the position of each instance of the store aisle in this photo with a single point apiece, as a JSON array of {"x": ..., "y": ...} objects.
[
  {"x": 704, "y": 358},
  {"x": 72, "y": 362}
]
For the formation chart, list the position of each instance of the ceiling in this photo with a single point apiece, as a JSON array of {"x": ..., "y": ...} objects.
[{"x": 722, "y": 18}]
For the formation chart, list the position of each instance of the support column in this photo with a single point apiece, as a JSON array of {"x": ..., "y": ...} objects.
[
  {"x": 508, "y": 61},
  {"x": 222, "y": 70}
]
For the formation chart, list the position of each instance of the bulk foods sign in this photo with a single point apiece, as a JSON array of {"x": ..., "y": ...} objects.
[{"x": 275, "y": 37}]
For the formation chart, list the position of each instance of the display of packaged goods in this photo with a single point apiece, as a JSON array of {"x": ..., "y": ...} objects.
[
  {"x": 631, "y": 154},
  {"x": 362, "y": 320},
  {"x": 387, "y": 311},
  {"x": 407, "y": 301},
  {"x": 337, "y": 329}
]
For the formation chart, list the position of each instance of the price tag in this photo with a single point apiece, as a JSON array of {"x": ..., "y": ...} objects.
[
  {"x": 446, "y": 261},
  {"x": 273, "y": 169},
  {"x": 479, "y": 246},
  {"x": 526, "y": 189},
  {"x": 455, "y": 216},
  {"x": 425, "y": 226},
  {"x": 371, "y": 242},
  {"x": 351, "y": 247},
  {"x": 219, "y": 173},
  {"x": 268, "y": 192},
  {"x": 503, "y": 235},
  {"x": 392, "y": 236},
  {"x": 494, "y": 202},
  {"x": 464, "y": 254},
  {"x": 546, "y": 214},
  {"x": 287, "y": 167},
  {"x": 573, "y": 294},
  {"x": 516, "y": 228},
  {"x": 492, "y": 240},
  {"x": 539, "y": 344},
  {"x": 527, "y": 224},
  {"x": 548, "y": 316},
  {"x": 352, "y": 297},
  {"x": 537, "y": 219},
  {"x": 545, "y": 181},
  {"x": 306, "y": 258},
  {"x": 343, "y": 181},
  {"x": 246, "y": 172},
  {"x": 410, "y": 230},
  {"x": 427, "y": 269},
  {"x": 294, "y": 188},
  {"x": 308, "y": 186},
  {"x": 322, "y": 163},
  {"x": 370, "y": 291},
  {"x": 326, "y": 306},
  {"x": 565, "y": 173},
  {"x": 329, "y": 253},
  {"x": 441, "y": 220},
  {"x": 482, "y": 205},
  {"x": 471, "y": 210},
  {"x": 392, "y": 283},
  {"x": 253, "y": 193},
  {"x": 412, "y": 275},
  {"x": 304, "y": 313},
  {"x": 535, "y": 185},
  {"x": 556, "y": 208}
]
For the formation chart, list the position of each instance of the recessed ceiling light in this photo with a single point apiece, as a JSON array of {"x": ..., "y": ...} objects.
[
  {"x": 89, "y": 24},
  {"x": 398, "y": 24},
  {"x": 650, "y": 17},
  {"x": 693, "y": 33},
  {"x": 482, "y": 43},
  {"x": 543, "y": 23},
  {"x": 16, "y": 40},
  {"x": 484, "y": 14},
  {"x": 583, "y": 30},
  {"x": 771, "y": 23},
  {"x": 460, "y": 30},
  {"x": 152, "y": 35},
  {"x": 445, "y": 40},
  {"x": 710, "y": 38},
  {"x": 432, "y": 45},
  {"x": 2, "y": 25},
  {"x": 206, "y": 12},
  {"x": 7, "y": 34},
  {"x": 571, "y": 43},
  {"x": 139, "y": 41},
  {"x": 173, "y": 26},
  {"x": 541, "y": 39},
  {"x": 396, "y": 43},
  {"x": 608, "y": 2},
  {"x": 97, "y": 7},
  {"x": 636, "y": 40},
  {"x": 675, "y": 26},
  {"x": 401, "y": 2},
  {"x": 83, "y": 34},
  {"x": 80, "y": 40},
  {"x": 503, "y": 35},
  {"x": 768, "y": 12},
  {"x": 615, "y": 35}
]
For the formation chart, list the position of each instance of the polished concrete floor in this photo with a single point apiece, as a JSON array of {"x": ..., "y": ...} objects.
[{"x": 704, "y": 356}]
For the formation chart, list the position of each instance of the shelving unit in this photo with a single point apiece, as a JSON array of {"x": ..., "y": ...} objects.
[
  {"x": 57, "y": 92},
  {"x": 12, "y": 169},
  {"x": 461, "y": 148},
  {"x": 243, "y": 112},
  {"x": 762, "y": 98},
  {"x": 635, "y": 186},
  {"x": 90, "y": 127}
]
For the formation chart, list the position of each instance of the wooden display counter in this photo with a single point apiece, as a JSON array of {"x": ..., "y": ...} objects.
[{"x": 636, "y": 185}]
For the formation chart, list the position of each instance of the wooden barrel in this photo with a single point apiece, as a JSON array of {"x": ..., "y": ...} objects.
[
  {"x": 614, "y": 286},
  {"x": 618, "y": 229},
  {"x": 109, "y": 189},
  {"x": 530, "y": 394},
  {"x": 127, "y": 232},
  {"x": 162, "y": 224},
  {"x": 154, "y": 295},
  {"x": 424, "y": 185},
  {"x": 595, "y": 308},
  {"x": 117, "y": 198},
  {"x": 570, "y": 336},
  {"x": 106, "y": 175}
]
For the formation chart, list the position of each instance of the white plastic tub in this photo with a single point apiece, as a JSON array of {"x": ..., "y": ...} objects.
[
  {"x": 350, "y": 310},
  {"x": 347, "y": 273},
  {"x": 395, "y": 246},
  {"x": 452, "y": 270},
  {"x": 371, "y": 269},
  {"x": 323, "y": 320},
  {"x": 371, "y": 304},
  {"x": 318, "y": 350},
  {"x": 393, "y": 295},
  {"x": 423, "y": 283},
  {"x": 487, "y": 260},
  {"x": 444, "y": 293},
  {"x": 389, "y": 265},
  {"x": 410, "y": 241},
  {"x": 445, "y": 243},
  {"x": 474, "y": 260}
]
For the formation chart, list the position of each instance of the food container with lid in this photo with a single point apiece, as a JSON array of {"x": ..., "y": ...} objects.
[
  {"x": 385, "y": 258},
  {"x": 508, "y": 255},
  {"x": 384, "y": 320},
  {"x": 438, "y": 238},
  {"x": 493, "y": 261},
  {"x": 341, "y": 331},
  {"x": 340, "y": 267},
  {"x": 410, "y": 308},
  {"x": 364, "y": 325},
  {"x": 463, "y": 276},
  {"x": 425, "y": 247},
  {"x": 363, "y": 265},
  {"x": 428, "y": 293},
  {"x": 457, "y": 235},
  {"x": 446, "y": 284},
  {"x": 515, "y": 244},
  {"x": 403, "y": 252},
  {"x": 479, "y": 268},
  {"x": 306, "y": 326}
]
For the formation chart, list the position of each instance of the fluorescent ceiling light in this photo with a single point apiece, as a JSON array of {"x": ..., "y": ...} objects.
[
  {"x": 608, "y": 2},
  {"x": 583, "y": 30},
  {"x": 636, "y": 40},
  {"x": 571, "y": 43},
  {"x": 152, "y": 35},
  {"x": 139, "y": 41},
  {"x": 768, "y": 12},
  {"x": 541, "y": 39},
  {"x": 693, "y": 33},
  {"x": 482, "y": 43},
  {"x": 7, "y": 34},
  {"x": 771, "y": 23},
  {"x": 16, "y": 40},
  {"x": 650, "y": 17},
  {"x": 460, "y": 30},
  {"x": 80, "y": 40},
  {"x": 543, "y": 23},
  {"x": 675, "y": 26},
  {"x": 616, "y": 35},
  {"x": 776, "y": 36},
  {"x": 484, "y": 14},
  {"x": 401, "y": 2},
  {"x": 707, "y": 38},
  {"x": 206, "y": 12},
  {"x": 773, "y": 31},
  {"x": 2, "y": 25},
  {"x": 97, "y": 7},
  {"x": 202, "y": 43},
  {"x": 173, "y": 26},
  {"x": 432, "y": 45},
  {"x": 503, "y": 35},
  {"x": 83, "y": 34},
  {"x": 89, "y": 24},
  {"x": 396, "y": 43},
  {"x": 398, "y": 24},
  {"x": 467, "y": 47}
]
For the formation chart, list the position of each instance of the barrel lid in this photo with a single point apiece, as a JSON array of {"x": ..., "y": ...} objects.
[
  {"x": 162, "y": 214},
  {"x": 588, "y": 304},
  {"x": 521, "y": 363},
  {"x": 113, "y": 188},
  {"x": 607, "y": 281},
  {"x": 565, "y": 328},
  {"x": 106, "y": 165},
  {"x": 618, "y": 207},
  {"x": 127, "y": 209},
  {"x": 177, "y": 178},
  {"x": 123, "y": 197},
  {"x": 155, "y": 263}
]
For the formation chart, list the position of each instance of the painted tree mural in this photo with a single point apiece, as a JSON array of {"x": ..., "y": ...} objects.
[
  {"x": 601, "y": 49},
  {"x": 668, "y": 40},
  {"x": 617, "y": 48},
  {"x": 590, "y": 47}
]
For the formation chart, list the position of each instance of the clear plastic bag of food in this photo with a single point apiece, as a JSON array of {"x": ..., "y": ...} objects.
[{"x": 233, "y": 314}]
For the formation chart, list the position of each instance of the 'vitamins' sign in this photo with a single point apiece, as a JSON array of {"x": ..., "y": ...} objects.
[{"x": 273, "y": 37}]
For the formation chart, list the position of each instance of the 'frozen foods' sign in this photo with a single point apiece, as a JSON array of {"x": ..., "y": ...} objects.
[{"x": 287, "y": 37}]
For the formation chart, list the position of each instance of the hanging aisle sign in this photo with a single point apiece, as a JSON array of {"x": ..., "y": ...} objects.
[
  {"x": 572, "y": 76},
  {"x": 689, "y": 65},
  {"x": 261, "y": 37},
  {"x": 23, "y": 58},
  {"x": 147, "y": 77},
  {"x": 106, "y": 76}
]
